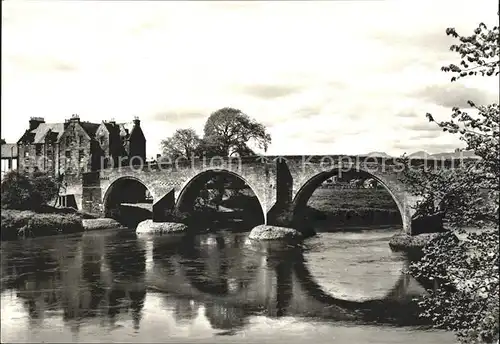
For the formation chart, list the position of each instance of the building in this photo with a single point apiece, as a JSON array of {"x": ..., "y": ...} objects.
[
  {"x": 9, "y": 157},
  {"x": 76, "y": 146},
  {"x": 121, "y": 142}
]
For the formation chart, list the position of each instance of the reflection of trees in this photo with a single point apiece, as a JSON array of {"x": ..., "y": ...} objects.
[
  {"x": 91, "y": 270},
  {"x": 225, "y": 317},
  {"x": 199, "y": 259},
  {"x": 214, "y": 266},
  {"x": 126, "y": 259},
  {"x": 283, "y": 286},
  {"x": 67, "y": 274},
  {"x": 279, "y": 260},
  {"x": 33, "y": 270},
  {"x": 127, "y": 262},
  {"x": 185, "y": 309},
  {"x": 165, "y": 248},
  {"x": 73, "y": 276}
]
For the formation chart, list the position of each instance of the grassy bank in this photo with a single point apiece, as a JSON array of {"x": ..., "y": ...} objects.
[
  {"x": 326, "y": 199},
  {"x": 26, "y": 223},
  {"x": 351, "y": 207}
]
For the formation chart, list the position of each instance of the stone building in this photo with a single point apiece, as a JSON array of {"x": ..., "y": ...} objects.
[
  {"x": 66, "y": 150},
  {"x": 121, "y": 142},
  {"x": 76, "y": 146},
  {"x": 37, "y": 147}
]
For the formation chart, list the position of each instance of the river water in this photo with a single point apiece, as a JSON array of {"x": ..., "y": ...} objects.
[{"x": 112, "y": 286}]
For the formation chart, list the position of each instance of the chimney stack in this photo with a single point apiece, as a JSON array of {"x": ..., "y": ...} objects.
[
  {"x": 75, "y": 118},
  {"x": 137, "y": 121},
  {"x": 35, "y": 122}
]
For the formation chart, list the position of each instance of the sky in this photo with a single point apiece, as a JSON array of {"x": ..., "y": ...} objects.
[{"x": 325, "y": 77}]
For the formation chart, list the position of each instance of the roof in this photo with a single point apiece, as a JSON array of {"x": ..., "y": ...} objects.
[
  {"x": 42, "y": 130},
  {"x": 90, "y": 128},
  {"x": 9, "y": 150},
  {"x": 126, "y": 128}
]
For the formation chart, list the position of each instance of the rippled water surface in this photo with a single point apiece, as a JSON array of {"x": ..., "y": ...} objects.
[{"x": 113, "y": 286}]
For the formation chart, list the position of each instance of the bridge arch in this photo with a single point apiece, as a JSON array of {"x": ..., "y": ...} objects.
[
  {"x": 192, "y": 187},
  {"x": 312, "y": 182},
  {"x": 126, "y": 189}
]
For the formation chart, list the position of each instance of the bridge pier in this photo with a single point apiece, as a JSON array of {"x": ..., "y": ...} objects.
[{"x": 164, "y": 208}]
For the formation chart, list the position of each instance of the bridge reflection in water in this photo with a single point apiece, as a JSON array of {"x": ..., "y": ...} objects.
[
  {"x": 227, "y": 277},
  {"x": 264, "y": 278}
]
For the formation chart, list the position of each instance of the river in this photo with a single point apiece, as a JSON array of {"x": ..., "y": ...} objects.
[{"x": 112, "y": 286}]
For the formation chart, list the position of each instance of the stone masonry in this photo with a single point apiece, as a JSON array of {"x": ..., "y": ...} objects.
[{"x": 281, "y": 184}]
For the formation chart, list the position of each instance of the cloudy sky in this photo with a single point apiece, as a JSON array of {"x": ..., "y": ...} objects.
[{"x": 325, "y": 77}]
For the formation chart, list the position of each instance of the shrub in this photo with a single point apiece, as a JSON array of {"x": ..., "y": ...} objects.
[
  {"x": 465, "y": 297},
  {"x": 17, "y": 191},
  {"x": 28, "y": 191},
  {"x": 25, "y": 223}
]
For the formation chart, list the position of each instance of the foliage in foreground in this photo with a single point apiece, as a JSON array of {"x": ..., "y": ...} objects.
[{"x": 464, "y": 296}]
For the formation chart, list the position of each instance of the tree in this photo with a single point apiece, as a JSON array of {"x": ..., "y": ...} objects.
[
  {"x": 228, "y": 131},
  {"x": 184, "y": 143},
  {"x": 16, "y": 190},
  {"x": 467, "y": 300},
  {"x": 28, "y": 192}
]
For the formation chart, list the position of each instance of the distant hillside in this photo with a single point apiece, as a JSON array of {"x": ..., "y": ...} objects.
[
  {"x": 379, "y": 155},
  {"x": 419, "y": 154},
  {"x": 464, "y": 154},
  {"x": 425, "y": 155}
]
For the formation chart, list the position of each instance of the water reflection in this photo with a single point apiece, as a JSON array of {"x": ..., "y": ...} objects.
[
  {"x": 223, "y": 278},
  {"x": 126, "y": 258}
]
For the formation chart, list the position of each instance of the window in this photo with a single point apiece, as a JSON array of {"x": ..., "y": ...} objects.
[
  {"x": 67, "y": 162},
  {"x": 81, "y": 155},
  {"x": 26, "y": 153},
  {"x": 68, "y": 140},
  {"x": 38, "y": 148},
  {"x": 80, "y": 140},
  {"x": 101, "y": 140}
]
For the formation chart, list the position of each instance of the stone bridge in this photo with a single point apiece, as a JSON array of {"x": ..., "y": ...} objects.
[{"x": 282, "y": 184}]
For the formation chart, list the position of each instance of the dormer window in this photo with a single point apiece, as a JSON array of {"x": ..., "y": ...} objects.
[{"x": 101, "y": 140}]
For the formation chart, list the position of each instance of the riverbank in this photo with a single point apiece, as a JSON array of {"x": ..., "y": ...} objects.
[
  {"x": 351, "y": 217},
  {"x": 19, "y": 224},
  {"x": 26, "y": 223},
  {"x": 348, "y": 207}
]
